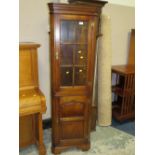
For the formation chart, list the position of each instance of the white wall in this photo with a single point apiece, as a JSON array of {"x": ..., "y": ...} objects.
[
  {"x": 33, "y": 24},
  {"x": 122, "y": 21},
  {"x": 123, "y": 2},
  {"x": 118, "y": 2}
]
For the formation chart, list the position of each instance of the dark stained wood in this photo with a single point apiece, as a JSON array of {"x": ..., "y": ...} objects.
[
  {"x": 72, "y": 52},
  {"x": 93, "y": 2},
  {"x": 74, "y": 9},
  {"x": 123, "y": 69}
]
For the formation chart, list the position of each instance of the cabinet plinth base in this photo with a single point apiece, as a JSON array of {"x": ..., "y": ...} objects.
[{"x": 59, "y": 149}]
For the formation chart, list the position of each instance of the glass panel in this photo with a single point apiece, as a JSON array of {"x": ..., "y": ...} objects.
[
  {"x": 74, "y": 31},
  {"x": 68, "y": 31},
  {"x": 80, "y": 75},
  {"x": 82, "y": 28},
  {"x": 73, "y": 51},
  {"x": 67, "y": 54},
  {"x": 81, "y": 55},
  {"x": 66, "y": 76}
]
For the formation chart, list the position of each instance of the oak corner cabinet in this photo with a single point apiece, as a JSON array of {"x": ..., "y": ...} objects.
[{"x": 73, "y": 35}]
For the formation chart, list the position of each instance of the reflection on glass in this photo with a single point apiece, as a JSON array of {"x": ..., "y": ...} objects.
[
  {"x": 74, "y": 31},
  {"x": 82, "y": 32}
]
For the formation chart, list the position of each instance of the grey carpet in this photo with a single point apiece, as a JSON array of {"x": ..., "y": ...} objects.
[{"x": 104, "y": 141}]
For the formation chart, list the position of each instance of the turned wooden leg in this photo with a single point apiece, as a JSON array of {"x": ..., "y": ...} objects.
[{"x": 41, "y": 146}]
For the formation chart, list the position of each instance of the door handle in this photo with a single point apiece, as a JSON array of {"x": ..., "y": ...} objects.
[{"x": 56, "y": 55}]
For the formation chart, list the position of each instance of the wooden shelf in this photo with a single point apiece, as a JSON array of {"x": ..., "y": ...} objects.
[
  {"x": 123, "y": 107},
  {"x": 123, "y": 69},
  {"x": 72, "y": 43},
  {"x": 73, "y": 65},
  {"x": 122, "y": 92},
  {"x": 117, "y": 90}
]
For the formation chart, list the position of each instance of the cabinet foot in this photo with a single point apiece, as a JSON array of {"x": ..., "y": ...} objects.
[
  {"x": 84, "y": 147},
  {"x": 58, "y": 150},
  {"x": 42, "y": 150}
]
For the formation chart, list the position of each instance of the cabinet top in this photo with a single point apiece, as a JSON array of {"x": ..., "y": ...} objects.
[
  {"x": 23, "y": 45},
  {"x": 79, "y": 8},
  {"x": 89, "y": 2}
]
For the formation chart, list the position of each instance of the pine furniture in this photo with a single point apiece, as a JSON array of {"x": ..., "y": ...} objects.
[
  {"x": 73, "y": 34},
  {"x": 31, "y": 100}
]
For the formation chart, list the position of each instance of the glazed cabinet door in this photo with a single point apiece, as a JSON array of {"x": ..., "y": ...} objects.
[{"x": 73, "y": 76}]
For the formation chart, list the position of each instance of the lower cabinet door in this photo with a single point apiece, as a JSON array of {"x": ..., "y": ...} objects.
[
  {"x": 73, "y": 117},
  {"x": 72, "y": 130}
]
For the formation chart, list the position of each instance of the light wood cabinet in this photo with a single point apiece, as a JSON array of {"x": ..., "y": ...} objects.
[
  {"x": 31, "y": 100},
  {"x": 73, "y": 34}
]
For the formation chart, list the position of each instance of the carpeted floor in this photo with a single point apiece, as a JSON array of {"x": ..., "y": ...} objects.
[
  {"x": 126, "y": 126},
  {"x": 104, "y": 141}
]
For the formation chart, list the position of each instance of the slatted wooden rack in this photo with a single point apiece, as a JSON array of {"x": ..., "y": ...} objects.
[{"x": 124, "y": 92}]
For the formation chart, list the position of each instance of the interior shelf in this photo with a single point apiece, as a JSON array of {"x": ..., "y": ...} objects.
[
  {"x": 73, "y": 65},
  {"x": 117, "y": 90},
  {"x": 122, "y": 92},
  {"x": 72, "y": 43}
]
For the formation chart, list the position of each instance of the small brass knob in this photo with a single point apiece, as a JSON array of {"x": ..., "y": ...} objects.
[
  {"x": 79, "y": 52},
  {"x": 81, "y": 57},
  {"x": 67, "y": 72},
  {"x": 80, "y": 70}
]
